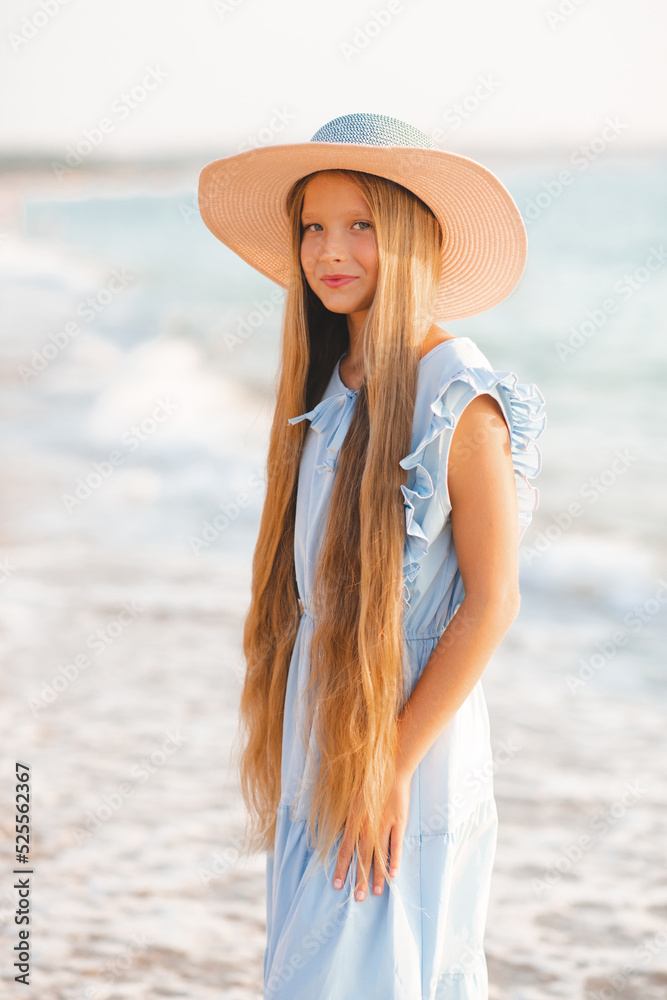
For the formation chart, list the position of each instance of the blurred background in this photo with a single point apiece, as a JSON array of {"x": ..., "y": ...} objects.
[{"x": 137, "y": 362}]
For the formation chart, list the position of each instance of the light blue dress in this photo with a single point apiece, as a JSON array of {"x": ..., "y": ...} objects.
[{"x": 422, "y": 939}]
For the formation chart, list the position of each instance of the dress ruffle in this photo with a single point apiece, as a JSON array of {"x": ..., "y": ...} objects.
[{"x": 523, "y": 406}]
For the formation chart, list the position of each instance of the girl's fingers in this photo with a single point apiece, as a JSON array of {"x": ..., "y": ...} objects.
[
  {"x": 392, "y": 845},
  {"x": 378, "y": 867},
  {"x": 343, "y": 861},
  {"x": 396, "y": 851},
  {"x": 363, "y": 859}
]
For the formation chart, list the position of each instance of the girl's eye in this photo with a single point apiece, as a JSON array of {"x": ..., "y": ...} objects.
[{"x": 366, "y": 225}]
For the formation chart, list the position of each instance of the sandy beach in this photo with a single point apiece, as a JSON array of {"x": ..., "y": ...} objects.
[{"x": 139, "y": 890}]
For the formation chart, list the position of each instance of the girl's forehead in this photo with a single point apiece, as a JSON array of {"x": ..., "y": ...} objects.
[
  {"x": 332, "y": 186},
  {"x": 330, "y": 179}
]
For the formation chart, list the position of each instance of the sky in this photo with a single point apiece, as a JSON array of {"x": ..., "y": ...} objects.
[{"x": 158, "y": 78}]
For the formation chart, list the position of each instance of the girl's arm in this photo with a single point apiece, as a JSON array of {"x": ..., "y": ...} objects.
[{"x": 485, "y": 519}]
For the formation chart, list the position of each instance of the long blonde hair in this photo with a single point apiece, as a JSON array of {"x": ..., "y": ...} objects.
[{"x": 356, "y": 680}]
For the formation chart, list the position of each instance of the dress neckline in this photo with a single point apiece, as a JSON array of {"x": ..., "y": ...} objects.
[{"x": 443, "y": 343}]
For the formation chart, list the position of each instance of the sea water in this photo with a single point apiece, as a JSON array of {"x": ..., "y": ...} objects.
[{"x": 170, "y": 364}]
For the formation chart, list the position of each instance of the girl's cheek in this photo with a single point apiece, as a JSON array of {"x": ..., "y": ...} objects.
[{"x": 307, "y": 254}]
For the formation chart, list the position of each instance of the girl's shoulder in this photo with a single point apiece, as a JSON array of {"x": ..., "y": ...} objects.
[
  {"x": 450, "y": 376},
  {"x": 449, "y": 357},
  {"x": 455, "y": 371}
]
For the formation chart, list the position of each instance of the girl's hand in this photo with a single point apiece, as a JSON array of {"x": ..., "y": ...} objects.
[{"x": 393, "y": 826}]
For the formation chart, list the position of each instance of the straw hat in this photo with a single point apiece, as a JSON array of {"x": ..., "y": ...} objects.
[{"x": 242, "y": 201}]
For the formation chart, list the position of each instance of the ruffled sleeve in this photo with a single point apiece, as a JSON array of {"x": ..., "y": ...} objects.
[{"x": 426, "y": 499}]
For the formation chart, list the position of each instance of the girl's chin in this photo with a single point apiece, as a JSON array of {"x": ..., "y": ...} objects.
[
  {"x": 343, "y": 304},
  {"x": 338, "y": 307}
]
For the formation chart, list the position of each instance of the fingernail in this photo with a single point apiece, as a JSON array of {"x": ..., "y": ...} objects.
[
  {"x": 393, "y": 872},
  {"x": 360, "y": 895},
  {"x": 338, "y": 883},
  {"x": 377, "y": 890}
]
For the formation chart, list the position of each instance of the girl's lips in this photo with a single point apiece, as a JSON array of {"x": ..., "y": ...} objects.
[{"x": 337, "y": 282}]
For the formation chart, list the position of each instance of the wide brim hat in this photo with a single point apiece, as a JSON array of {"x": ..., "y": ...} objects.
[{"x": 242, "y": 200}]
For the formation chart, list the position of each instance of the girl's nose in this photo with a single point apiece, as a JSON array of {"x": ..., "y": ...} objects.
[
  {"x": 331, "y": 249},
  {"x": 332, "y": 246}
]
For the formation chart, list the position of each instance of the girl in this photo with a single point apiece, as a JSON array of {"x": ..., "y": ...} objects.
[{"x": 385, "y": 573}]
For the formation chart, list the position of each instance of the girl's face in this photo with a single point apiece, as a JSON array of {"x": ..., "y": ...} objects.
[{"x": 338, "y": 239}]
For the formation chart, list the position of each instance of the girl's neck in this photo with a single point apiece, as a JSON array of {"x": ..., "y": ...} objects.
[{"x": 352, "y": 361}]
